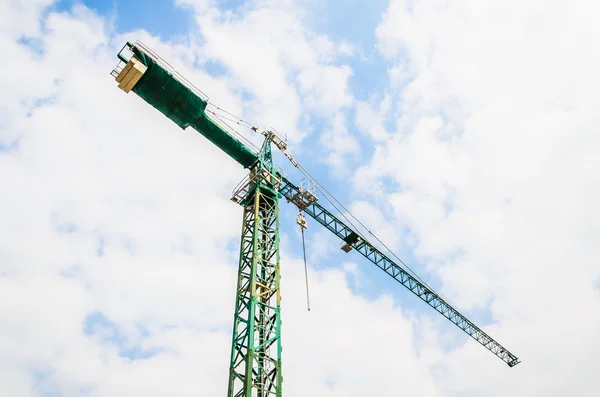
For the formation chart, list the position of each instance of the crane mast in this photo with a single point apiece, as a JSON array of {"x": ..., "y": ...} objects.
[{"x": 255, "y": 365}]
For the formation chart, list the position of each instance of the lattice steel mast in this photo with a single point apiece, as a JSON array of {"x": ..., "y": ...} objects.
[{"x": 255, "y": 366}]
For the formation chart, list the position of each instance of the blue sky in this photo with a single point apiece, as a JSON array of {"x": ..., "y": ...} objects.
[
  {"x": 432, "y": 120},
  {"x": 161, "y": 18}
]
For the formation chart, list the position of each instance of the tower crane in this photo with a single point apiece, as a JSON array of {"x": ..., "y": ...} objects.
[{"x": 255, "y": 362}]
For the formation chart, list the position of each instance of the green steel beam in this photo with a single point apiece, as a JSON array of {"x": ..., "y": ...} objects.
[{"x": 255, "y": 366}]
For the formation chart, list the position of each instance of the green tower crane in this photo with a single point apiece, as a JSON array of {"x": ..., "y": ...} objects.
[{"x": 255, "y": 364}]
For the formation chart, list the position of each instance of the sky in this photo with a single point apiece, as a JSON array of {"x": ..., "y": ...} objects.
[{"x": 463, "y": 134}]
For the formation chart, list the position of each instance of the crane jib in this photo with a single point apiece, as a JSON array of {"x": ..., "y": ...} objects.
[{"x": 337, "y": 227}]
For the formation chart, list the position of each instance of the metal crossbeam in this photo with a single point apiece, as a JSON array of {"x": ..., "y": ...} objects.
[{"x": 337, "y": 227}]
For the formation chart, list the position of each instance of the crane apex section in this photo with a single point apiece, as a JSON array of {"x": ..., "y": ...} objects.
[{"x": 142, "y": 71}]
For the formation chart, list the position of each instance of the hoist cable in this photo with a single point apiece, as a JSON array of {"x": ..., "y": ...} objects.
[
  {"x": 305, "y": 269},
  {"x": 234, "y": 131},
  {"x": 232, "y": 115}
]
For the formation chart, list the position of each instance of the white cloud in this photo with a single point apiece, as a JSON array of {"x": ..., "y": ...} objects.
[
  {"x": 109, "y": 208},
  {"x": 348, "y": 49},
  {"x": 494, "y": 157},
  {"x": 341, "y": 144},
  {"x": 370, "y": 118},
  {"x": 322, "y": 361},
  {"x": 326, "y": 88},
  {"x": 29, "y": 23},
  {"x": 291, "y": 74},
  {"x": 287, "y": 69}
]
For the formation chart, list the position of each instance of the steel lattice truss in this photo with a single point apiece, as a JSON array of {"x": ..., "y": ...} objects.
[
  {"x": 325, "y": 218},
  {"x": 255, "y": 368}
]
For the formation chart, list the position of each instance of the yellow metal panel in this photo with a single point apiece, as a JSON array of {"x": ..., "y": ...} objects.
[
  {"x": 131, "y": 74},
  {"x": 125, "y": 70},
  {"x": 137, "y": 71}
]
